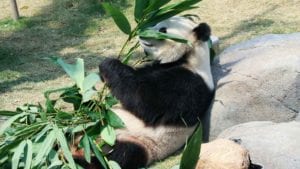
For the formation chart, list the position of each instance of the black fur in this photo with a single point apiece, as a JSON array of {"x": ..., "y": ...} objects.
[
  {"x": 128, "y": 155},
  {"x": 159, "y": 94},
  {"x": 202, "y": 31}
]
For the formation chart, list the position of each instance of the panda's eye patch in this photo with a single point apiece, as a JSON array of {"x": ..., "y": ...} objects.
[{"x": 163, "y": 30}]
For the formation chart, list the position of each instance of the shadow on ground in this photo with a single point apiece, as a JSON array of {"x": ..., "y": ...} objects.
[{"x": 64, "y": 25}]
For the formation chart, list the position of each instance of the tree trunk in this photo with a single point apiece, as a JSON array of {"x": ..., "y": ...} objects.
[{"x": 14, "y": 8}]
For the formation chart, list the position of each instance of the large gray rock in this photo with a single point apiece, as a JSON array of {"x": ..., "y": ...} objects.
[
  {"x": 257, "y": 80},
  {"x": 271, "y": 145}
]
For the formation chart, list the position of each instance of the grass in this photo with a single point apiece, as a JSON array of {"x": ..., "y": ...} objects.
[{"x": 78, "y": 28}]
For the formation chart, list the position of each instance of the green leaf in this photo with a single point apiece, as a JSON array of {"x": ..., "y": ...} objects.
[
  {"x": 108, "y": 134},
  {"x": 84, "y": 143},
  {"x": 29, "y": 129},
  {"x": 90, "y": 81},
  {"x": 212, "y": 52},
  {"x": 168, "y": 12},
  {"x": 160, "y": 16},
  {"x": 8, "y": 122},
  {"x": 140, "y": 6},
  {"x": 6, "y": 147},
  {"x": 119, "y": 18},
  {"x": 50, "y": 106},
  {"x": 42, "y": 112},
  {"x": 94, "y": 115},
  {"x": 156, "y": 4},
  {"x": 114, "y": 120},
  {"x": 28, "y": 154},
  {"x": 183, "y": 6},
  {"x": 98, "y": 154},
  {"x": 64, "y": 146},
  {"x": 17, "y": 155},
  {"x": 55, "y": 164},
  {"x": 149, "y": 33},
  {"x": 72, "y": 95},
  {"x": 38, "y": 136},
  {"x": 110, "y": 100},
  {"x": 64, "y": 115},
  {"x": 88, "y": 95},
  {"x": 191, "y": 152},
  {"x": 76, "y": 71},
  {"x": 81, "y": 127},
  {"x": 54, "y": 159},
  {"x": 113, "y": 165},
  {"x": 8, "y": 113},
  {"x": 46, "y": 147}
]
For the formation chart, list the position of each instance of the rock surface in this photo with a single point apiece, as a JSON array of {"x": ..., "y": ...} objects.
[
  {"x": 223, "y": 154},
  {"x": 257, "y": 80},
  {"x": 272, "y": 145}
]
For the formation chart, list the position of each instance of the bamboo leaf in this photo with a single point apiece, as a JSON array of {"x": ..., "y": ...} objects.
[
  {"x": 88, "y": 95},
  {"x": 24, "y": 131},
  {"x": 160, "y": 16},
  {"x": 8, "y": 122},
  {"x": 17, "y": 155},
  {"x": 63, "y": 115},
  {"x": 54, "y": 159},
  {"x": 149, "y": 33},
  {"x": 55, "y": 164},
  {"x": 98, "y": 154},
  {"x": 50, "y": 105},
  {"x": 140, "y": 6},
  {"x": 119, "y": 18},
  {"x": 28, "y": 154},
  {"x": 191, "y": 152},
  {"x": 114, "y": 165},
  {"x": 64, "y": 146},
  {"x": 183, "y": 5},
  {"x": 90, "y": 81},
  {"x": 114, "y": 120},
  {"x": 45, "y": 148},
  {"x": 86, "y": 147},
  {"x": 108, "y": 134},
  {"x": 8, "y": 113},
  {"x": 42, "y": 133},
  {"x": 75, "y": 71},
  {"x": 156, "y": 4},
  {"x": 73, "y": 96},
  {"x": 110, "y": 101},
  {"x": 6, "y": 147}
]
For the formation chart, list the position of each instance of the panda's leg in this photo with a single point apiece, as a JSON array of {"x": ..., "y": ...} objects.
[{"x": 129, "y": 155}]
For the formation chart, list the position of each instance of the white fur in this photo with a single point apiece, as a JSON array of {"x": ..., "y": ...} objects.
[{"x": 158, "y": 141}]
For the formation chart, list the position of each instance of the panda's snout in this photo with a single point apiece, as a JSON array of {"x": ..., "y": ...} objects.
[{"x": 145, "y": 42}]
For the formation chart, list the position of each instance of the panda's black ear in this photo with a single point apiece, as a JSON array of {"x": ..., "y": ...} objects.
[{"x": 202, "y": 31}]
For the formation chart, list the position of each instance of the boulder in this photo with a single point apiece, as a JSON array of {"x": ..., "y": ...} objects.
[
  {"x": 257, "y": 80},
  {"x": 271, "y": 145},
  {"x": 223, "y": 154}
]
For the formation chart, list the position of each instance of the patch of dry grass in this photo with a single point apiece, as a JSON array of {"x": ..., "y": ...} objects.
[{"x": 77, "y": 28}]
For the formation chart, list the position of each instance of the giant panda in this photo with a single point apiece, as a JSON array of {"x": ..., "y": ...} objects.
[{"x": 161, "y": 102}]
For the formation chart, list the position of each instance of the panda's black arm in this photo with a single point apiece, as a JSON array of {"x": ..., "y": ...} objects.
[{"x": 119, "y": 77}]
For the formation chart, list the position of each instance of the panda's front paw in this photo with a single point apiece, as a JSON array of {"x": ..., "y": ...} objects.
[{"x": 107, "y": 67}]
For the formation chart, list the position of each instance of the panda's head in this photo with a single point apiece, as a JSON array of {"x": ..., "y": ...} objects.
[{"x": 168, "y": 50}]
